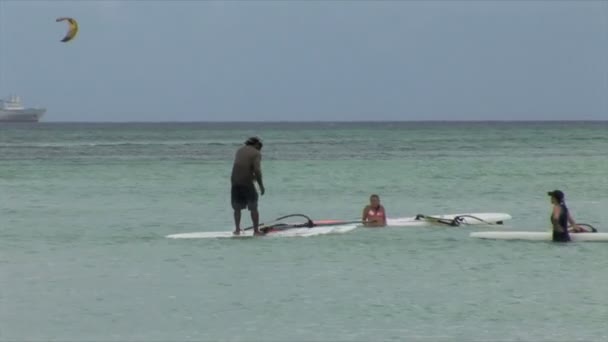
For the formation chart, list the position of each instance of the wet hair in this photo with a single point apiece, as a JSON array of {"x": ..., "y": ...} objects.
[
  {"x": 254, "y": 140},
  {"x": 557, "y": 194},
  {"x": 374, "y": 195}
]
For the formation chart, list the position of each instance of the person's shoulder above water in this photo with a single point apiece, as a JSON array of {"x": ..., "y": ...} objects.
[{"x": 374, "y": 214}]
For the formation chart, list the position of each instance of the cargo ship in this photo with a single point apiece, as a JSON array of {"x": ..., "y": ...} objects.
[{"x": 12, "y": 110}]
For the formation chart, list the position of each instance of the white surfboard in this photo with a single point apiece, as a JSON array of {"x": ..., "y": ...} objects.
[
  {"x": 294, "y": 232},
  {"x": 339, "y": 226},
  {"x": 538, "y": 236},
  {"x": 467, "y": 219}
]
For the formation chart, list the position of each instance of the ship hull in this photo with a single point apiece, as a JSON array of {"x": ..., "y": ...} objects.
[{"x": 25, "y": 115}]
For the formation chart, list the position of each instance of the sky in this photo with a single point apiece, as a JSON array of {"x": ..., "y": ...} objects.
[{"x": 308, "y": 60}]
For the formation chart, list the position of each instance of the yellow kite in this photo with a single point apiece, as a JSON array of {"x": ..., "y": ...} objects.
[{"x": 73, "y": 28}]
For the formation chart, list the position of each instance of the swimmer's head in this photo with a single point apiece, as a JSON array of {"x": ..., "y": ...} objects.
[
  {"x": 557, "y": 196},
  {"x": 374, "y": 200}
]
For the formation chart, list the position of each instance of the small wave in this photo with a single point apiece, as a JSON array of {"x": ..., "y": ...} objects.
[{"x": 116, "y": 143}]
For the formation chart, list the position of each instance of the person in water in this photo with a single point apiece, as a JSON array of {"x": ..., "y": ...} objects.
[
  {"x": 245, "y": 171},
  {"x": 560, "y": 217},
  {"x": 374, "y": 214}
]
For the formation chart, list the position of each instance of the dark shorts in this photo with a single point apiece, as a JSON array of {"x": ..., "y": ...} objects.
[
  {"x": 561, "y": 236},
  {"x": 244, "y": 196}
]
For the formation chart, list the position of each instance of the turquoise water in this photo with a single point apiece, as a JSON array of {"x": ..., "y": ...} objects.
[{"x": 85, "y": 208}]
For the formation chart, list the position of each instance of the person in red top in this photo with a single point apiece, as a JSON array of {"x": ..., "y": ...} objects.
[{"x": 374, "y": 214}]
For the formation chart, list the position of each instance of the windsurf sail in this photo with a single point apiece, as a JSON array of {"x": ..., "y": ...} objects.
[
  {"x": 587, "y": 228},
  {"x": 297, "y": 221},
  {"x": 455, "y": 221}
]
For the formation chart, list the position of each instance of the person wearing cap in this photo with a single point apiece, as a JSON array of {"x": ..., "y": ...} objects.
[
  {"x": 245, "y": 170},
  {"x": 560, "y": 217}
]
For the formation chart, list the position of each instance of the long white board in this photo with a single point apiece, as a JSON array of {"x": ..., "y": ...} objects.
[
  {"x": 295, "y": 232},
  {"x": 339, "y": 227},
  {"x": 538, "y": 236}
]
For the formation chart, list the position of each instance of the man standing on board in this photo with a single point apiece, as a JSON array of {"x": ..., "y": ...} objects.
[{"x": 245, "y": 171}]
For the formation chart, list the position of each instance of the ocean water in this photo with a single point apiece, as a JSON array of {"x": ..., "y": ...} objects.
[{"x": 85, "y": 208}]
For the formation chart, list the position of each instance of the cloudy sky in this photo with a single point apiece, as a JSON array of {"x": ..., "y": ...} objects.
[{"x": 308, "y": 60}]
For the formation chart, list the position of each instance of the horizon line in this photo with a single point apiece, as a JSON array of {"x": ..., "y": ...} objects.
[{"x": 330, "y": 121}]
